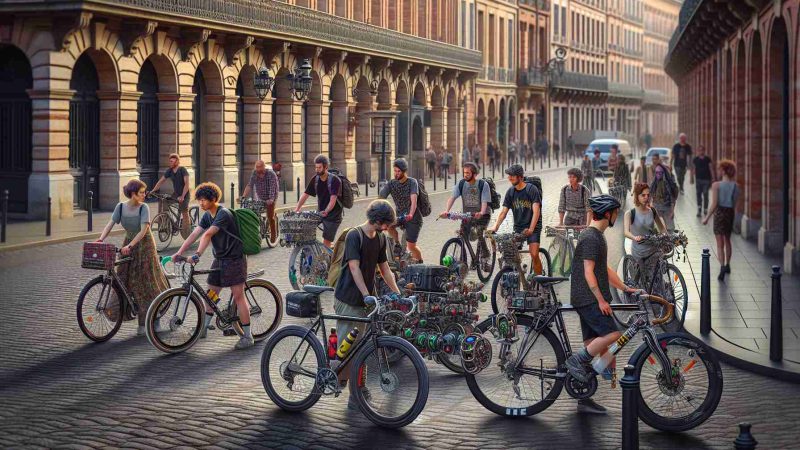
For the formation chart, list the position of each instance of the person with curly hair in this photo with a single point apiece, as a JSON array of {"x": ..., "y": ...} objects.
[
  {"x": 573, "y": 203},
  {"x": 724, "y": 194}
]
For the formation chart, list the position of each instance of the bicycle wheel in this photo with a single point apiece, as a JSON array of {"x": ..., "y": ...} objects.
[
  {"x": 99, "y": 309},
  {"x": 487, "y": 258},
  {"x": 454, "y": 247},
  {"x": 303, "y": 268},
  {"x": 266, "y": 307},
  {"x": 675, "y": 292},
  {"x": 389, "y": 394},
  {"x": 161, "y": 227},
  {"x": 693, "y": 395},
  {"x": 290, "y": 363},
  {"x": 499, "y": 293},
  {"x": 174, "y": 320},
  {"x": 511, "y": 386},
  {"x": 544, "y": 258}
]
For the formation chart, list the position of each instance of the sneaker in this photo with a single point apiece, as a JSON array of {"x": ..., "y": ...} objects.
[
  {"x": 728, "y": 268},
  {"x": 245, "y": 342},
  {"x": 721, "y": 276},
  {"x": 699, "y": 214},
  {"x": 140, "y": 331},
  {"x": 576, "y": 369},
  {"x": 589, "y": 406}
]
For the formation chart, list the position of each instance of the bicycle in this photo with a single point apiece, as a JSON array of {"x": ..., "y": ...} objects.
[
  {"x": 482, "y": 259},
  {"x": 666, "y": 281},
  {"x": 388, "y": 373},
  {"x": 168, "y": 222},
  {"x": 512, "y": 267},
  {"x": 260, "y": 208},
  {"x": 618, "y": 191},
  {"x": 594, "y": 187},
  {"x": 100, "y": 314},
  {"x": 176, "y": 317},
  {"x": 680, "y": 377},
  {"x": 562, "y": 248},
  {"x": 310, "y": 259}
]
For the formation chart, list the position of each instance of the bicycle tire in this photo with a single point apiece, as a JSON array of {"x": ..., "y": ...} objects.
[
  {"x": 485, "y": 276},
  {"x": 680, "y": 304},
  {"x": 399, "y": 345},
  {"x": 715, "y": 383},
  {"x": 496, "y": 287},
  {"x": 597, "y": 187},
  {"x": 459, "y": 252},
  {"x": 523, "y": 323},
  {"x": 544, "y": 259},
  {"x": 277, "y": 300},
  {"x": 194, "y": 215},
  {"x": 267, "y": 364},
  {"x": 451, "y": 362},
  {"x": 161, "y": 227},
  {"x": 82, "y": 318},
  {"x": 158, "y": 304}
]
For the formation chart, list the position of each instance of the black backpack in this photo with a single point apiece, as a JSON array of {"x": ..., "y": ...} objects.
[
  {"x": 536, "y": 181},
  {"x": 347, "y": 197},
  {"x": 423, "y": 202},
  {"x": 494, "y": 201}
]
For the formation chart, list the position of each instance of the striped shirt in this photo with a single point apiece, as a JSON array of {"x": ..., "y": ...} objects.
[
  {"x": 574, "y": 202},
  {"x": 266, "y": 187}
]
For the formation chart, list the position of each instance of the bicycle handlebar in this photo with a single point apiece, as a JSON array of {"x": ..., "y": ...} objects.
[
  {"x": 382, "y": 300},
  {"x": 669, "y": 308}
]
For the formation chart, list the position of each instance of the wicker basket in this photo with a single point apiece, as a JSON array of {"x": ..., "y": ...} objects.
[
  {"x": 257, "y": 206},
  {"x": 298, "y": 229},
  {"x": 98, "y": 256}
]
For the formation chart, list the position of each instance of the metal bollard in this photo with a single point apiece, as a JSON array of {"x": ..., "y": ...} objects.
[
  {"x": 90, "y": 210},
  {"x": 434, "y": 182},
  {"x": 745, "y": 440},
  {"x": 48, "y": 221},
  {"x": 283, "y": 186},
  {"x": 630, "y": 409},
  {"x": 776, "y": 320},
  {"x": 232, "y": 198},
  {"x": 705, "y": 293},
  {"x": 298, "y": 189},
  {"x": 366, "y": 185},
  {"x": 548, "y": 160},
  {"x": 4, "y": 224}
]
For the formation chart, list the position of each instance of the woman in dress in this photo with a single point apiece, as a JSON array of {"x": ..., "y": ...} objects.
[
  {"x": 640, "y": 221},
  {"x": 142, "y": 276},
  {"x": 724, "y": 194}
]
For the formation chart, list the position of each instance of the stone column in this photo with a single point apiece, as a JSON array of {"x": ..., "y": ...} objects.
[
  {"x": 438, "y": 133},
  {"x": 288, "y": 142},
  {"x": 220, "y": 152},
  {"x": 184, "y": 135},
  {"x": 363, "y": 140},
  {"x": 455, "y": 137},
  {"x": 343, "y": 156},
  {"x": 265, "y": 131},
  {"x": 253, "y": 138},
  {"x": 313, "y": 135},
  {"x": 117, "y": 144}
]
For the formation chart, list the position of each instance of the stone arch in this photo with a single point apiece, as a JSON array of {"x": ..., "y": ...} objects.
[
  {"x": 16, "y": 78},
  {"x": 339, "y": 122},
  {"x": 384, "y": 95},
  {"x": 491, "y": 123},
  {"x": 740, "y": 121},
  {"x": 84, "y": 129},
  {"x": 481, "y": 119},
  {"x": 512, "y": 119},
  {"x": 437, "y": 99},
  {"x": 401, "y": 93},
  {"x": 420, "y": 97},
  {"x": 502, "y": 124}
]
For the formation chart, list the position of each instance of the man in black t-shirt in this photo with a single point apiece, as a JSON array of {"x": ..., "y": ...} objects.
[
  {"x": 180, "y": 190},
  {"x": 327, "y": 187},
  {"x": 365, "y": 250},
  {"x": 591, "y": 294},
  {"x": 703, "y": 176},
  {"x": 681, "y": 159},
  {"x": 525, "y": 202}
]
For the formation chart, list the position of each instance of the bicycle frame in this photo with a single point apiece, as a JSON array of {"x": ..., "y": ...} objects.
[
  {"x": 319, "y": 323},
  {"x": 111, "y": 273}
]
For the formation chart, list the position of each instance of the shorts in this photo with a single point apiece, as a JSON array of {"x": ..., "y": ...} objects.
[
  {"x": 535, "y": 237},
  {"x": 232, "y": 272},
  {"x": 412, "y": 231},
  {"x": 594, "y": 323},
  {"x": 330, "y": 225},
  {"x": 344, "y": 326}
]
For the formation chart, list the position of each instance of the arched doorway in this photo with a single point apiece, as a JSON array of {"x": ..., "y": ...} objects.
[
  {"x": 199, "y": 109},
  {"x": 502, "y": 126},
  {"x": 338, "y": 126},
  {"x": 15, "y": 127},
  {"x": 147, "y": 124},
  {"x": 84, "y": 133},
  {"x": 417, "y": 135}
]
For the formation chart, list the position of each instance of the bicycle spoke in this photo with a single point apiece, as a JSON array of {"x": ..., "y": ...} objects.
[{"x": 389, "y": 389}]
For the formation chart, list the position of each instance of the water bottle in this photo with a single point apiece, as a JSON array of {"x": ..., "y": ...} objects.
[
  {"x": 333, "y": 344},
  {"x": 600, "y": 362},
  {"x": 347, "y": 343},
  {"x": 213, "y": 296}
]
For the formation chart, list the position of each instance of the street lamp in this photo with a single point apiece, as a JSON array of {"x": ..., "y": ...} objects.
[
  {"x": 299, "y": 82},
  {"x": 263, "y": 83},
  {"x": 373, "y": 90},
  {"x": 554, "y": 66}
]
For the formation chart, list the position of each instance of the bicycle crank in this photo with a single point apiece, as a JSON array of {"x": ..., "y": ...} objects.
[{"x": 579, "y": 390}]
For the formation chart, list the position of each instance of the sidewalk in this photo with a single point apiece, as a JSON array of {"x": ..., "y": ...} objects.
[
  {"x": 740, "y": 306},
  {"x": 24, "y": 234}
]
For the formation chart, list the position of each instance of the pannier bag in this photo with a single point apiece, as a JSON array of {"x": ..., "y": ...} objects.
[
  {"x": 428, "y": 277},
  {"x": 301, "y": 304},
  {"x": 98, "y": 255}
]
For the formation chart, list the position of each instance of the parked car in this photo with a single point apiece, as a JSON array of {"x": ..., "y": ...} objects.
[
  {"x": 604, "y": 145},
  {"x": 663, "y": 152}
]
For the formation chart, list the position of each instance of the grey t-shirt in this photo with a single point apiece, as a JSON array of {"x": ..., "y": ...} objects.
[
  {"x": 225, "y": 243},
  {"x": 591, "y": 246},
  {"x": 131, "y": 217},
  {"x": 369, "y": 253},
  {"x": 401, "y": 194},
  {"x": 473, "y": 195}
]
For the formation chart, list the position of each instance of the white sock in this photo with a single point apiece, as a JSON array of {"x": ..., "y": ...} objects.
[{"x": 246, "y": 329}]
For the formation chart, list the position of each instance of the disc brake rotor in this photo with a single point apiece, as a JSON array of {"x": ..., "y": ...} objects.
[{"x": 389, "y": 382}]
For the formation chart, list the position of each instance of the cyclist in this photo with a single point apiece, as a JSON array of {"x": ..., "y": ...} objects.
[
  {"x": 218, "y": 228},
  {"x": 180, "y": 190},
  {"x": 404, "y": 191},
  {"x": 327, "y": 188},
  {"x": 573, "y": 204},
  {"x": 365, "y": 249},
  {"x": 264, "y": 185},
  {"x": 591, "y": 295},
  {"x": 475, "y": 197},
  {"x": 525, "y": 201},
  {"x": 639, "y": 221}
]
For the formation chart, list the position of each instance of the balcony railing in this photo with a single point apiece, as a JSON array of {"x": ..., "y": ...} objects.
[
  {"x": 655, "y": 97},
  {"x": 284, "y": 21},
  {"x": 542, "y": 5},
  {"x": 581, "y": 82},
  {"x": 531, "y": 77},
  {"x": 625, "y": 90}
]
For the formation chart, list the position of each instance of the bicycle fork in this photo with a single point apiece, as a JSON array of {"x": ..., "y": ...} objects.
[{"x": 651, "y": 339}]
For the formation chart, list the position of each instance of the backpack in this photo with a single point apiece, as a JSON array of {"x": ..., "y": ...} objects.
[
  {"x": 494, "y": 201},
  {"x": 583, "y": 193},
  {"x": 249, "y": 230},
  {"x": 346, "y": 198},
  {"x": 536, "y": 181},
  {"x": 336, "y": 266},
  {"x": 423, "y": 202}
]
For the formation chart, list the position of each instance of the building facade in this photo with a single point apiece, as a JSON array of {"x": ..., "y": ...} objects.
[
  {"x": 534, "y": 52},
  {"x": 94, "y": 95},
  {"x": 660, "y": 102},
  {"x": 736, "y": 65}
]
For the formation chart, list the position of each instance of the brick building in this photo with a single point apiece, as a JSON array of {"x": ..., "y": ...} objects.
[
  {"x": 736, "y": 65},
  {"x": 94, "y": 94}
]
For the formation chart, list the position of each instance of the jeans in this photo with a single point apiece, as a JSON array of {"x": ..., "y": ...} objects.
[
  {"x": 702, "y": 187},
  {"x": 680, "y": 172}
]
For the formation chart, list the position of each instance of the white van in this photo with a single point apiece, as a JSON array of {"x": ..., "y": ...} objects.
[{"x": 604, "y": 145}]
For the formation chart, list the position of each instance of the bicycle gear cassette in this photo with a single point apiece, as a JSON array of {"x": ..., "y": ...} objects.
[{"x": 476, "y": 353}]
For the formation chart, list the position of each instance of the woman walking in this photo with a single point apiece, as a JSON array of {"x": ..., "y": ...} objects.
[
  {"x": 640, "y": 221},
  {"x": 724, "y": 194},
  {"x": 142, "y": 276}
]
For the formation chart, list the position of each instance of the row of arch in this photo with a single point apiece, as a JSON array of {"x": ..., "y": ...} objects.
[{"x": 497, "y": 121}]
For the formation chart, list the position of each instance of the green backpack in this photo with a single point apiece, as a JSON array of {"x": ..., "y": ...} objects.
[{"x": 249, "y": 230}]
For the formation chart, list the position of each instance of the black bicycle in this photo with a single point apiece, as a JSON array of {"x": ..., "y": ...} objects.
[
  {"x": 482, "y": 259},
  {"x": 175, "y": 318},
  {"x": 521, "y": 362},
  {"x": 169, "y": 222},
  {"x": 389, "y": 375},
  {"x": 513, "y": 272}
]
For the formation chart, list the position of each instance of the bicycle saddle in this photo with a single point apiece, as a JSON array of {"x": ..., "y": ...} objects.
[
  {"x": 316, "y": 290},
  {"x": 547, "y": 281}
]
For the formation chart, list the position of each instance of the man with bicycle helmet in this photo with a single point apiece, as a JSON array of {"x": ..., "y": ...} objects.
[{"x": 591, "y": 294}]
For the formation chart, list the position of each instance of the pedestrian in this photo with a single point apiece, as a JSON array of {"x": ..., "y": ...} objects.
[
  {"x": 641, "y": 174},
  {"x": 142, "y": 277},
  {"x": 405, "y": 192},
  {"x": 264, "y": 186},
  {"x": 327, "y": 187},
  {"x": 724, "y": 194},
  {"x": 613, "y": 158},
  {"x": 622, "y": 174},
  {"x": 477, "y": 159},
  {"x": 466, "y": 155},
  {"x": 663, "y": 194},
  {"x": 571, "y": 146},
  {"x": 702, "y": 176},
  {"x": 180, "y": 190},
  {"x": 431, "y": 157},
  {"x": 218, "y": 227},
  {"x": 573, "y": 203},
  {"x": 556, "y": 150},
  {"x": 525, "y": 202},
  {"x": 447, "y": 159},
  {"x": 491, "y": 153},
  {"x": 590, "y": 295},
  {"x": 512, "y": 153},
  {"x": 364, "y": 251},
  {"x": 587, "y": 169},
  {"x": 640, "y": 221},
  {"x": 681, "y": 159},
  {"x": 596, "y": 161}
]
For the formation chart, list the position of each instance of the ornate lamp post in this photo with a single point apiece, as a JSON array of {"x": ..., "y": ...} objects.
[
  {"x": 299, "y": 82},
  {"x": 552, "y": 69}
]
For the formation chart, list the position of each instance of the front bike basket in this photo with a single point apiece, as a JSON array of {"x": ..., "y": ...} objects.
[{"x": 298, "y": 230}]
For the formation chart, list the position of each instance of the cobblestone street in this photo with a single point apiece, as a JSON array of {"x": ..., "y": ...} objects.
[{"x": 59, "y": 390}]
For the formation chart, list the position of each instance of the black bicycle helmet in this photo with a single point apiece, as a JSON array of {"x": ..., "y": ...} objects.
[
  {"x": 516, "y": 170},
  {"x": 602, "y": 204}
]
